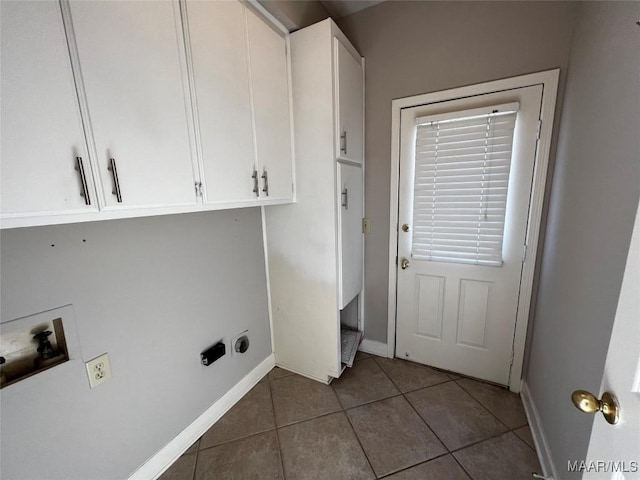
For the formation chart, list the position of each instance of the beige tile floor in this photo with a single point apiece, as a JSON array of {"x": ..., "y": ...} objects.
[{"x": 383, "y": 418}]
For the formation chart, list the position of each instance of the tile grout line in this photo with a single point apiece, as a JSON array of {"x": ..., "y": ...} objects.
[
  {"x": 275, "y": 422},
  {"x": 425, "y": 367},
  {"x": 387, "y": 475},
  {"x": 485, "y": 408},
  {"x": 244, "y": 437},
  {"x": 447, "y": 451},
  {"x": 373, "y": 401},
  {"x": 414, "y": 408},
  {"x": 492, "y": 437},
  {"x": 509, "y": 429},
  {"x": 451, "y": 452},
  {"x": 355, "y": 434},
  {"x": 195, "y": 464},
  {"x": 427, "y": 424},
  {"x": 461, "y": 466},
  {"x": 528, "y": 427}
]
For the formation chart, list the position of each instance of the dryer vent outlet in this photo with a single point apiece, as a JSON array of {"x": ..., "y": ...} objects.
[{"x": 241, "y": 343}]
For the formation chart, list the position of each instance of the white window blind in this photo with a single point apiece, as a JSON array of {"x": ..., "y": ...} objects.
[{"x": 462, "y": 165}]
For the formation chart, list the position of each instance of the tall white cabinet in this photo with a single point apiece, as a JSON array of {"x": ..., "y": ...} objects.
[{"x": 315, "y": 246}]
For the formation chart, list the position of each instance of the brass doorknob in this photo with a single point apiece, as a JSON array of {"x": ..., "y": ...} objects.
[
  {"x": 405, "y": 227},
  {"x": 588, "y": 403},
  {"x": 404, "y": 264}
]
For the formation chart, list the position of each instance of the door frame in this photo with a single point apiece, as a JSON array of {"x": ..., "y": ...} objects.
[{"x": 549, "y": 80}]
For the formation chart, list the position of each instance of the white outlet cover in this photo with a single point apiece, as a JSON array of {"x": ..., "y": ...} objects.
[{"x": 98, "y": 370}]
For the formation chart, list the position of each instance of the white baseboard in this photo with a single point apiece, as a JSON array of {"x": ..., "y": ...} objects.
[
  {"x": 537, "y": 432},
  {"x": 156, "y": 465},
  {"x": 373, "y": 347}
]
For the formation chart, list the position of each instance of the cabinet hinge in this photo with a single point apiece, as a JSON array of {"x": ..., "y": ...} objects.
[
  {"x": 538, "y": 130},
  {"x": 524, "y": 252},
  {"x": 198, "y": 189}
]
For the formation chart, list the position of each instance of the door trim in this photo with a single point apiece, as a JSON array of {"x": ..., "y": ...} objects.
[{"x": 549, "y": 80}]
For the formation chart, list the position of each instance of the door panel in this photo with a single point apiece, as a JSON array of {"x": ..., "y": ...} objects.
[
  {"x": 218, "y": 41},
  {"x": 269, "y": 84},
  {"x": 459, "y": 316},
  {"x": 350, "y": 98},
  {"x": 136, "y": 99},
  {"x": 41, "y": 129},
  {"x": 473, "y": 313},
  {"x": 350, "y": 200},
  {"x": 621, "y": 443},
  {"x": 429, "y": 297}
]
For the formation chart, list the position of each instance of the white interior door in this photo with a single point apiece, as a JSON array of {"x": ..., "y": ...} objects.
[
  {"x": 134, "y": 82},
  {"x": 218, "y": 40},
  {"x": 350, "y": 100},
  {"x": 42, "y": 133},
  {"x": 619, "y": 445},
  {"x": 350, "y": 184},
  {"x": 463, "y": 247}
]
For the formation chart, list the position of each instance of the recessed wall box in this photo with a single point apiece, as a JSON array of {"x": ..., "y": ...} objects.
[{"x": 213, "y": 353}]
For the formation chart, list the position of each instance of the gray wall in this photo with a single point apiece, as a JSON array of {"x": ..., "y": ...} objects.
[
  {"x": 418, "y": 47},
  {"x": 153, "y": 293},
  {"x": 592, "y": 207}
]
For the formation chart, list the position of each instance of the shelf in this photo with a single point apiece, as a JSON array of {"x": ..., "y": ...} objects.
[{"x": 350, "y": 341}]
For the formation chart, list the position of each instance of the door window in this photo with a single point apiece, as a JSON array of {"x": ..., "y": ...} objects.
[{"x": 462, "y": 164}]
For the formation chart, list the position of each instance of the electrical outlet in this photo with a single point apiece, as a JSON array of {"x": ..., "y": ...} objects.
[
  {"x": 98, "y": 370},
  {"x": 238, "y": 348}
]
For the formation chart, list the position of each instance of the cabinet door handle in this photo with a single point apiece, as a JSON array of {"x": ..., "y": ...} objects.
[
  {"x": 264, "y": 177},
  {"x": 255, "y": 183},
  {"x": 343, "y": 142},
  {"x": 345, "y": 198},
  {"x": 83, "y": 179},
  {"x": 116, "y": 184}
]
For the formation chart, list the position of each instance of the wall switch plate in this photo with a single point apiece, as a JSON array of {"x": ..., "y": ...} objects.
[
  {"x": 366, "y": 225},
  {"x": 98, "y": 370}
]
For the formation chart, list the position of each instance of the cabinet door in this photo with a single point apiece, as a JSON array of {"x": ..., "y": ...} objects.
[
  {"x": 132, "y": 65},
  {"x": 350, "y": 183},
  {"x": 270, "y": 92},
  {"x": 350, "y": 101},
  {"x": 41, "y": 132},
  {"x": 221, "y": 75}
]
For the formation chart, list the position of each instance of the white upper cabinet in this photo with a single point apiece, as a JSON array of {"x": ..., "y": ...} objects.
[
  {"x": 220, "y": 67},
  {"x": 270, "y": 96},
  {"x": 41, "y": 137},
  {"x": 349, "y": 104},
  {"x": 132, "y": 65},
  {"x": 120, "y": 109},
  {"x": 241, "y": 95}
]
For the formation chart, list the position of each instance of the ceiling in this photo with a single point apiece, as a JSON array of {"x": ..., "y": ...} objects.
[{"x": 342, "y": 8}]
